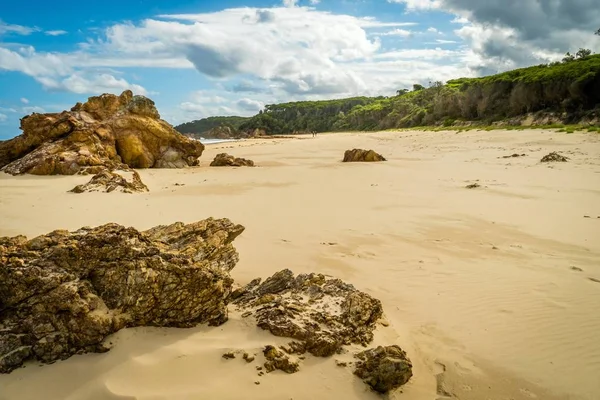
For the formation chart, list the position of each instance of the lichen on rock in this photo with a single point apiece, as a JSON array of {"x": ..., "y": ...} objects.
[
  {"x": 64, "y": 292},
  {"x": 384, "y": 368},
  {"x": 105, "y": 131},
  {"x": 321, "y": 314}
]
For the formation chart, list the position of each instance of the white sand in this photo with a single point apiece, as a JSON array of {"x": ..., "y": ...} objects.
[{"x": 478, "y": 281}]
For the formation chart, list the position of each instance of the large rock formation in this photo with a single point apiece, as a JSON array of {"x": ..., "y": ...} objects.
[
  {"x": 113, "y": 181},
  {"x": 64, "y": 292},
  {"x": 360, "y": 155},
  {"x": 226, "y": 160},
  {"x": 321, "y": 314},
  {"x": 106, "y": 131}
]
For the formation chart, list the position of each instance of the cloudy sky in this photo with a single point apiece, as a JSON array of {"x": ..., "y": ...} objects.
[{"x": 200, "y": 58}]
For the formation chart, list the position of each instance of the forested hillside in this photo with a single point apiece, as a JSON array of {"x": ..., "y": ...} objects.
[
  {"x": 203, "y": 125},
  {"x": 567, "y": 91}
]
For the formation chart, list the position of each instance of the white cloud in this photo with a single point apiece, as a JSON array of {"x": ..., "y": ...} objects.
[
  {"x": 35, "y": 109},
  {"x": 398, "y": 32},
  {"x": 3, "y": 117},
  {"x": 91, "y": 83},
  {"x": 56, "y": 33},
  {"x": 414, "y": 5},
  {"x": 289, "y": 3},
  {"x": 253, "y": 106},
  {"x": 434, "y": 30},
  {"x": 442, "y": 41},
  {"x": 24, "y": 100},
  {"x": 315, "y": 2},
  {"x": 17, "y": 29},
  {"x": 8, "y": 109}
]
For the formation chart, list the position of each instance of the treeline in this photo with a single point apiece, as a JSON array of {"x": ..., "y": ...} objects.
[
  {"x": 570, "y": 88},
  {"x": 304, "y": 116},
  {"x": 204, "y": 125}
]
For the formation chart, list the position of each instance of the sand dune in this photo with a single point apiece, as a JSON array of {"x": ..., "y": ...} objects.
[{"x": 492, "y": 291}]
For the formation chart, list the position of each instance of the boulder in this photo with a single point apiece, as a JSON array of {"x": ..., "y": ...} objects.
[
  {"x": 276, "y": 359},
  {"x": 225, "y": 160},
  {"x": 113, "y": 181},
  {"x": 321, "y": 314},
  {"x": 104, "y": 132},
  {"x": 360, "y": 155},
  {"x": 383, "y": 368},
  {"x": 64, "y": 292},
  {"x": 554, "y": 157}
]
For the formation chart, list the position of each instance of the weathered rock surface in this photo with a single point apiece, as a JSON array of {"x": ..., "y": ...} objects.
[
  {"x": 554, "y": 157},
  {"x": 102, "y": 133},
  {"x": 64, "y": 292},
  {"x": 276, "y": 359},
  {"x": 321, "y": 314},
  {"x": 383, "y": 368},
  {"x": 360, "y": 155},
  {"x": 111, "y": 181},
  {"x": 225, "y": 160}
]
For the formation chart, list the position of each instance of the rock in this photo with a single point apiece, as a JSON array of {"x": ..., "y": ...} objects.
[
  {"x": 321, "y": 314},
  {"x": 105, "y": 132},
  {"x": 360, "y": 155},
  {"x": 473, "y": 186},
  {"x": 384, "y": 368},
  {"x": 110, "y": 181},
  {"x": 229, "y": 355},
  {"x": 248, "y": 358},
  {"x": 341, "y": 363},
  {"x": 276, "y": 359},
  {"x": 554, "y": 157},
  {"x": 515, "y": 155},
  {"x": 225, "y": 160},
  {"x": 64, "y": 292}
]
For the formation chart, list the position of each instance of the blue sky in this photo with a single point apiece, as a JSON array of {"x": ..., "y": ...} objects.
[{"x": 230, "y": 57}]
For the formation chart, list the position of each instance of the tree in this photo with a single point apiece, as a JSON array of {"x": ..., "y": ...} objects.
[
  {"x": 401, "y": 92},
  {"x": 597, "y": 32},
  {"x": 417, "y": 87},
  {"x": 568, "y": 57},
  {"x": 583, "y": 53}
]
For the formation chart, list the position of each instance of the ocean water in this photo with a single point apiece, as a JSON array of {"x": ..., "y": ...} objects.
[{"x": 214, "y": 141}]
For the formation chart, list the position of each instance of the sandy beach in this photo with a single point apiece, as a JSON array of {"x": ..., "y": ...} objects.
[{"x": 494, "y": 292}]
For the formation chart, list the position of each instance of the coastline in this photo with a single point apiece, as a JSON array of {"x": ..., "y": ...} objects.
[{"x": 476, "y": 285}]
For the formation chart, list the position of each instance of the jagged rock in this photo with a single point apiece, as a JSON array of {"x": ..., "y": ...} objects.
[
  {"x": 225, "y": 160},
  {"x": 554, "y": 157},
  {"x": 473, "y": 186},
  {"x": 515, "y": 155},
  {"x": 321, "y": 314},
  {"x": 276, "y": 359},
  {"x": 229, "y": 355},
  {"x": 64, "y": 292},
  {"x": 360, "y": 155},
  {"x": 106, "y": 131},
  {"x": 384, "y": 368},
  {"x": 110, "y": 181}
]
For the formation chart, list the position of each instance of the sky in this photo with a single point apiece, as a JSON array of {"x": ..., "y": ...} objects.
[{"x": 199, "y": 58}]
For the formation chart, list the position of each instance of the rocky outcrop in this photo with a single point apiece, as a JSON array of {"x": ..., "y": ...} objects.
[
  {"x": 113, "y": 181},
  {"x": 276, "y": 359},
  {"x": 225, "y": 160},
  {"x": 360, "y": 155},
  {"x": 102, "y": 133},
  {"x": 554, "y": 157},
  {"x": 383, "y": 368},
  {"x": 321, "y": 314},
  {"x": 64, "y": 292}
]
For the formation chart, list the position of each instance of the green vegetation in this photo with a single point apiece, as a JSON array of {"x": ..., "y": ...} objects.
[
  {"x": 567, "y": 92},
  {"x": 202, "y": 125},
  {"x": 305, "y": 116}
]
